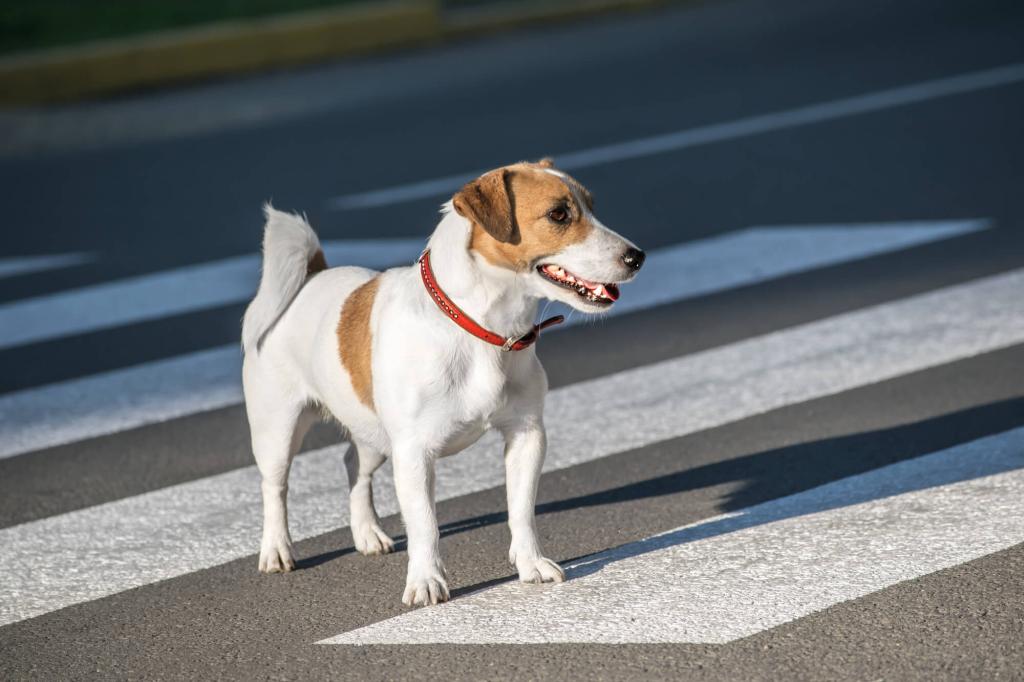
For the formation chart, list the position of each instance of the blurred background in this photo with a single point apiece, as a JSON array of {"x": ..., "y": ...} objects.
[
  {"x": 782, "y": 162},
  {"x": 145, "y": 136}
]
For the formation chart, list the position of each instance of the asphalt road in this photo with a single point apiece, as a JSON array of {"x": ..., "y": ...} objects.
[{"x": 828, "y": 435}]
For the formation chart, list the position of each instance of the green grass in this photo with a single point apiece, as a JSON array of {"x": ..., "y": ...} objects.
[{"x": 35, "y": 24}]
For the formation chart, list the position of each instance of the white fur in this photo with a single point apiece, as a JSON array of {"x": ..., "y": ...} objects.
[
  {"x": 288, "y": 245},
  {"x": 436, "y": 388}
]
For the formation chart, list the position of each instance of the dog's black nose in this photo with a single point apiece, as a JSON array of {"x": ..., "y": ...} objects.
[{"x": 633, "y": 258}]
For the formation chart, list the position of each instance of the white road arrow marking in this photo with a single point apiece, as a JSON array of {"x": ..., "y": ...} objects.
[
  {"x": 735, "y": 575},
  {"x": 87, "y": 554},
  {"x": 717, "y": 132},
  {"x": 174, "y": 292},
  {"x": 122, "y": 399},
  {"x": 25, "y": 265}
]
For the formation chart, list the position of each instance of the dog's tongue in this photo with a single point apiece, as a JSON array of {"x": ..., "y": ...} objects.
[{"x": 608, "y": 290}]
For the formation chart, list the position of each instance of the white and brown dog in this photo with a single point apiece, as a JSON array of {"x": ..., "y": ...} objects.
[{"x": 418, "y": 362}]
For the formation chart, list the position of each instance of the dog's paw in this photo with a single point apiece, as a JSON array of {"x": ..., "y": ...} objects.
[
  {"x": 425, "y": 587},
  {"x": 370, "y": 539},
  {"x": 539, "y": 570},
  {"x": 276, "y": 555}
]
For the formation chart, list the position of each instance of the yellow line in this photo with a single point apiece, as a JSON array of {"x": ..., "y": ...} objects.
[
  {"x": 223, "y": 48},
  {"x": 234, "y": 47}
]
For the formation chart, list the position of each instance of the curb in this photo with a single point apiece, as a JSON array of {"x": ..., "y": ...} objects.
[
  {"x": 218, "y": 49},
  {"x": 66, "y": 74}
]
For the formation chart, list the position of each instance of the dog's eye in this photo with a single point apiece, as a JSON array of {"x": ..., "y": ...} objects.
[{"x": 559, "y": 215}]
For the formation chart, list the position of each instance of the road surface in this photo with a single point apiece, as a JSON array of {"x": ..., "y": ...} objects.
[{"x": 794, "y": 450}]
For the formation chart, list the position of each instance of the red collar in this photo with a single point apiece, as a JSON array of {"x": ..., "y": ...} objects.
[{"x": 469, "y": 324}]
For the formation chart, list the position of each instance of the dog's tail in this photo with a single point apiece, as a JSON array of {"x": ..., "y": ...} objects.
[{"x": 291, "y": 253}]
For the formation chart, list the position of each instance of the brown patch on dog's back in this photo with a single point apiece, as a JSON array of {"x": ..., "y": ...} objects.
[
  {"x": 318, "y": 263},
  {"x": 522, "y": 195},
  {"x": 355, "y": 339}
]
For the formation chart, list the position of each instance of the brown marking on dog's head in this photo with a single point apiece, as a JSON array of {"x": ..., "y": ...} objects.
[
  {"x": 487, "y": 202},
  {"x": 521, "y": 213},
  {"x": 318, "y": 263},
  {"x": 355, "y": 339}
]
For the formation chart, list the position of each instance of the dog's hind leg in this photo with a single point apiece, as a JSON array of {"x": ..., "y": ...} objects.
[
  {"x": 361, "y": 461},
  {"x": 277, "y": 433}
]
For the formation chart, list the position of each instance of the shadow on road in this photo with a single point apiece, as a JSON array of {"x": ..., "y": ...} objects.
[{"x": 773, "y": 474}]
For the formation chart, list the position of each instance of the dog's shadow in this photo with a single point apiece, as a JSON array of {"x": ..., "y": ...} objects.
[
  {"x": 317, "y": 560},
  {"x": 766, "y": 476}
]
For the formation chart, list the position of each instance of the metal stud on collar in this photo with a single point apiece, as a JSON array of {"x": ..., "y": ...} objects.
[{"x": 506, "y": 344}]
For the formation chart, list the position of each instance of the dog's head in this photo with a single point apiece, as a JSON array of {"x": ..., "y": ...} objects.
[{"x": 537, "y": 221}]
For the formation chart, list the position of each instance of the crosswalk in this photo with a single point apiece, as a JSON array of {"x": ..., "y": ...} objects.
[
  {"x": 713, "y": 581},
  {"x": 735, "y": 575},
  {"x": 209, "y": 379},
  {"x": 153, "y": 296}
]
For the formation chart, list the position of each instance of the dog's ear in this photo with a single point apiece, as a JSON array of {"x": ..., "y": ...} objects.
[
  {"x": 488, "y": 202},
  {"x": 546, "y": 162}
]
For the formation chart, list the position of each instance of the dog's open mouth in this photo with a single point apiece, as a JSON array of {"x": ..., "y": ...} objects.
[{"x": 594, "y": 292}]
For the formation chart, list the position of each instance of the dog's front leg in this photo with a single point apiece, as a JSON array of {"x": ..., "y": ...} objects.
[
  {"x": 525, "y": 446},
  {"x": 426, "y": 581}
]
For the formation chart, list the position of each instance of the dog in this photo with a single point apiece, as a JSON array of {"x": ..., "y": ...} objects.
[{"x": 418, "y": 362}]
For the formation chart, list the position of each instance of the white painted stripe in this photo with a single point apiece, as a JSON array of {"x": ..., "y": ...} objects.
[
  {"x": 119, "y": 400},
  {"x": 25, "y": 265},
  {"x": 86, "y": 554},
  {"x": 758, "y": 254},
  {"x": 127, "y": 398},
  {"x": 172, "y": 292},
  {"x": 735, "y": 575},
  {"x": 719, "y": 132}
]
